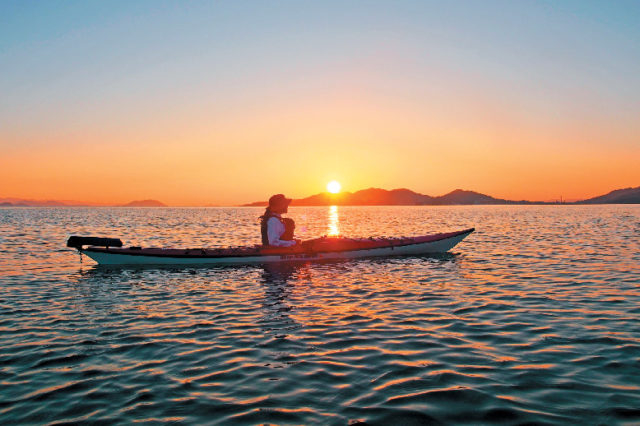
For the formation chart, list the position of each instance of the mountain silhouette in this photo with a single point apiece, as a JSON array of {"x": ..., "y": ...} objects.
[
  {"x": 406, "y": 197},
  {"x": 145, "y": 203},
  {"x": 365, "y": 197},
  {"x": 619, "y": 196},
  {"x": 20, "y": 202}
]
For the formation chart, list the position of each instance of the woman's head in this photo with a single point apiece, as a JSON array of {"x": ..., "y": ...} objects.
[{"x": 279, "y": 203}]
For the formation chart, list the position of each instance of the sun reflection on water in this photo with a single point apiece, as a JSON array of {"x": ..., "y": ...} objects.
[{"x": 334, "y": 228}]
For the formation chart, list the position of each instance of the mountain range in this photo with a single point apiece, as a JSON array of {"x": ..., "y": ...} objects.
[
  {"x": 406, "y": 197},
  {"x": 21, "y": 202},
  {"x": 365, "y": 197}
]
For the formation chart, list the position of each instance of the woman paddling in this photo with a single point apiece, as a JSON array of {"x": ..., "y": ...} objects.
[{"x": 277, "y": 231}]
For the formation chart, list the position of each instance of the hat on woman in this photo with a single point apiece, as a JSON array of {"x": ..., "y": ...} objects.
[{"x": 279, "y": 200}]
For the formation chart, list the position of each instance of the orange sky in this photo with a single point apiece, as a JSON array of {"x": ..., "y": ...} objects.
[
  {"x": 296, "y": 149},
  {"x": 371, "y": 109}
]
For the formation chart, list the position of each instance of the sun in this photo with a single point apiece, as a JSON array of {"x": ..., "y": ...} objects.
[{"x": 334, "y": 187}]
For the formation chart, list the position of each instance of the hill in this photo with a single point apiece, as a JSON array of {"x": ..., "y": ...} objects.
[
  {"x": 366, "y": 197},
  {"x": 145, "y": 203},
  {"x": 462, "y": 197},
  {"x": 619, "y": 196}
]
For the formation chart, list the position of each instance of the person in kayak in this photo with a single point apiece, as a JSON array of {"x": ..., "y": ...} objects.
[{"x": 276, "y": 230}]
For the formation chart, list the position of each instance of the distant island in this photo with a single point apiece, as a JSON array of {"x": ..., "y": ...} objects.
[
  {"x": 406, "y": 197},
  {"x": 145, "y": 203},
  {"x": 19, "y": 202}
]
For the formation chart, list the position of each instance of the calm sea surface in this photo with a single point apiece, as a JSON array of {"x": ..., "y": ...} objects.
[{"x": 533, "y": 318}]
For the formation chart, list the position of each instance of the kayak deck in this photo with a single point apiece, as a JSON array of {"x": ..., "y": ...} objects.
[{"x": 319, "y": 248}]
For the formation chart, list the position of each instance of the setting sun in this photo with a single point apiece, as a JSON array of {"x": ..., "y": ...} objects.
[{"x": 334, "y": 187}]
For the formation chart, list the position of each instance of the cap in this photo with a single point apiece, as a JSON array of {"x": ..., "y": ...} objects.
[{"x": 278, "y": 200}]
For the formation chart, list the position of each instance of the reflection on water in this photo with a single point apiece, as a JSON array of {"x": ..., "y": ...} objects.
[
  {"x": 278, "y": 283},
  {"x": 532, "y": 319},
  {"x": 334, "y": 228}
]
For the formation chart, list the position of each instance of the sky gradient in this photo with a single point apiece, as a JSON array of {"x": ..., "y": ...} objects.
[{"x": 196, "y": 103}]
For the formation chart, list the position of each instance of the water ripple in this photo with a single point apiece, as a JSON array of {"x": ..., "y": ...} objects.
[{"x": 533, "y": 319}]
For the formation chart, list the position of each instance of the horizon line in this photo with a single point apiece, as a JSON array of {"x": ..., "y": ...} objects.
[{"x": 75, "y": 203}]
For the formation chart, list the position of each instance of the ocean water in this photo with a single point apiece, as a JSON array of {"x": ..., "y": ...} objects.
[{"x": 534, "y": 318}]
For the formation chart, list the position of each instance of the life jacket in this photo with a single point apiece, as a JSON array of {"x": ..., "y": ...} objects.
[{"x": 289, "y": 227}]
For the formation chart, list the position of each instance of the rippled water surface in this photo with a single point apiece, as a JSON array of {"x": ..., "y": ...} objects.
[{"x": 533, "y": 318}]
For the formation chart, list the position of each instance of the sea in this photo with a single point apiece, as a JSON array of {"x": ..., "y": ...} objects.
[{"x": 532, "y": 319}]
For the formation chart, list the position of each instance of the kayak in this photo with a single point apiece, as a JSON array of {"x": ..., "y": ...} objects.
[{"x": 109, "y": 251}]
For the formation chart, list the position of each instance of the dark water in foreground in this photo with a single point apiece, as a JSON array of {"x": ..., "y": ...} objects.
[{"x": 533, "y": 318}]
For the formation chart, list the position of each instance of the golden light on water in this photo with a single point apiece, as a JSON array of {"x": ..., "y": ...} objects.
[
  {"x": 334, "y": 187},
  {"x": 334, "y": 228}
]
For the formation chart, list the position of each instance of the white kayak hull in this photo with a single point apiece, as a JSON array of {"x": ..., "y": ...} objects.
[{"x": 164, "y": 257}]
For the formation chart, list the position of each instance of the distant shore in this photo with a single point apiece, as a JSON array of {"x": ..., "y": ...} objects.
[
  {"x": 406, "y": 197},
  {"x": 365, "y": 197}
]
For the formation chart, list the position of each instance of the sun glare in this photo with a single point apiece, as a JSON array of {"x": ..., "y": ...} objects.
[{"x": 334, "y": 187}]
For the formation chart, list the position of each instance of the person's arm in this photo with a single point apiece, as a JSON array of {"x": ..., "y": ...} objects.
[{"x": 275, "y": 228}]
